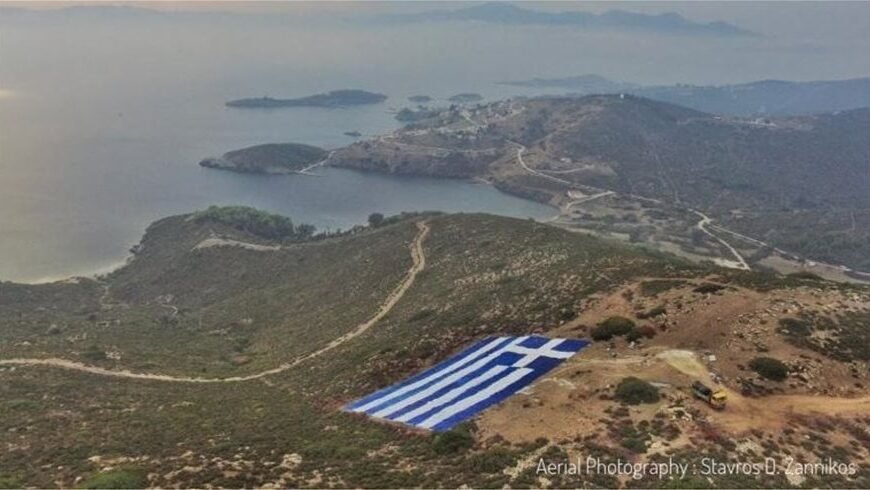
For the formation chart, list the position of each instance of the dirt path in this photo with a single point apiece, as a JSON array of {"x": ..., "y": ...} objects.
[
  {"x": 740, "y": 263},
  {"x": 744, "y": 413},
  {"x": 419, "y": 263}
]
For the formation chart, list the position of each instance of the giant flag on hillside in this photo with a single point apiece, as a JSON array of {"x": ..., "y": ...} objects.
[{"x": 469, "y": 382}]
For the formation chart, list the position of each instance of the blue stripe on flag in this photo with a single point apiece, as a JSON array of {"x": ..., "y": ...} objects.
[{"x": 487, "y": 342}]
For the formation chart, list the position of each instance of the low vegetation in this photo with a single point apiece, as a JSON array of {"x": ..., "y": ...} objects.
[
  {"x": 256, "y": 222},
  {"x": 453, "y": 441},
  {"x": 227, "y": 310},
  {"x": 614, "y": 326},
  {"x": 769, "y": 368},
  {"x": 635, "y": 391},
  {"x": 114, "y": 479}
]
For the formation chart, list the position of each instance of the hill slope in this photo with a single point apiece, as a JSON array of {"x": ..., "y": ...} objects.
[
  {"x": 205, "y": 300},
  {"x": 759, "y": 177}
]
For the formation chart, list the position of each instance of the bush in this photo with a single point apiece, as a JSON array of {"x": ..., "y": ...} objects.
[
  {"x": 794, "y": 326},
  {"x": 612, "y": 327},
  {"x": 806, "y": 275},
  {"x": 643, "y": 331},
  {"x": 709, "y": 288},
  {"x": 635, "y": 391},
  {"x": 10, "y": 482},
  {"x": 453, "y": 441},
  {"x": 492, "y": 461},
  {"x": 769, "y": 368},
  {"x": 120, "y": 478},
  {"x": 376, "y": 219}
]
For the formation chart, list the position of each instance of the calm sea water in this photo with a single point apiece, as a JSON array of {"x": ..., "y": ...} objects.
[
  {"x": 104, "y": 115},
  {"x": 98, "y": 140}
]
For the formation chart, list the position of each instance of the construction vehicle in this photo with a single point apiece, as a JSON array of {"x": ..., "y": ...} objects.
[{"x": 715, "y": 399}]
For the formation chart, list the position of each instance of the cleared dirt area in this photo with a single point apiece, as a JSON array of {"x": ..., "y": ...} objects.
[{"x": 700, "y": 336}]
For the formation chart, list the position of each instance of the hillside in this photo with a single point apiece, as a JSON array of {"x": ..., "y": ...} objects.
[
  {"x": 761, "y": 98},
  {"x": 219, "y": 355},
  {"x": 269, "y": 158},
  {"x": 758, "y": 177}
]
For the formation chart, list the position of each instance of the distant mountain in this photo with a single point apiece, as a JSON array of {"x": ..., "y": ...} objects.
[
  {"x": 585, "y": 84},
  {"x": 509, "y": 14},
  {"x": 772, "y": 97},
  {"x": 766, "y": 97}
]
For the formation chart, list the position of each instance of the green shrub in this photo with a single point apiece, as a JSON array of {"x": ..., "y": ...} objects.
[
  {"x": 643, "y": 331},
  {"x": 635, "y": 391},
  {"x": 769, "y": 368},
  {"x": 95, "y": 354},
  {"x": 492, "y": 461},
  {"x": 21, "y": 404},
  {"x": 658, "y": 286},
  {"x": 806, "y": 275},
  {"x": 635, "y": 445},
  {"x": 793, "y": 326},
  {"x": 709, "y": 288},
  {"x": 119, "y": 478},
  {"x": 453, "y": 441},
  {"x": 612, "y": 327},
  {"x": 10, "y": 482},
  {"x": 376, "y": 219}
]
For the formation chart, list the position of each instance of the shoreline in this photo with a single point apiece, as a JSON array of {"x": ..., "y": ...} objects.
[{"x": 92, "y": 275}]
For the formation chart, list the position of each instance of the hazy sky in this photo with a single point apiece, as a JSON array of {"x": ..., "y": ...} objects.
[{"x": 804, "y": 40}]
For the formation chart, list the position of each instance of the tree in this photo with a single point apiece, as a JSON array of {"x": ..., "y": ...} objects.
[{"x": 376, "y": 219}]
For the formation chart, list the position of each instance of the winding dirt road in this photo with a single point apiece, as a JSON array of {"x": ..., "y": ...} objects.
[
  {"x": 739, "y": 262},
  {"x": 419, "y": 263},
  {"x": 744, "y": 413}
]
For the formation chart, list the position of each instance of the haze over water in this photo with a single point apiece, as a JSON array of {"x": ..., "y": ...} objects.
[{"x": 104, "y": 117}]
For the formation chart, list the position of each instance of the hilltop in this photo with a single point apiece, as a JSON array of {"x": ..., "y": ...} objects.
[
  {"x": 759, "y": 98},
  {"x": 222, "y": 353},
  {"x": 792, "y": 186}
]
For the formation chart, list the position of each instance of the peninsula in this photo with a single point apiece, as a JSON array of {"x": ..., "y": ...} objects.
[
  {"x": 335, "y": 98},
  {"x": 275, "y": 158}
]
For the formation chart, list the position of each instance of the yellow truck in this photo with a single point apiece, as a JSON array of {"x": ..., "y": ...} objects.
[{"x": 715, "y": 399}]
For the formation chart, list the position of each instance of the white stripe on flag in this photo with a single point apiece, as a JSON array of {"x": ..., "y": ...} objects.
[
  {"x": 405, "y": 389},
  {"x": 452, "y": 394},
  {"x": 456, "y": 376},
  {"x": 463, "y": 404}
]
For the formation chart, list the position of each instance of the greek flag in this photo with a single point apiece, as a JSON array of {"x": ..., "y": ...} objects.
[{"x": 473, "y": 380}]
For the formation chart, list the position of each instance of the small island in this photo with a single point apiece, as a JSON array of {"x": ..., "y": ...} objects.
[
  {"x": 466, "y": 98},
  {"x": 420, "y": 99},
  {"x": 353, "y": 134},
  {"x": 275, "y": 158},
  {"x": 335, "y": 98}
]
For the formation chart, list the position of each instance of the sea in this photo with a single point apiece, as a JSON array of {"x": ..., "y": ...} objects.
[{"x": 102, "y": 126}]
